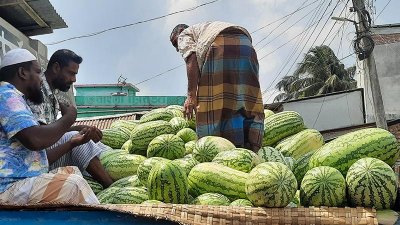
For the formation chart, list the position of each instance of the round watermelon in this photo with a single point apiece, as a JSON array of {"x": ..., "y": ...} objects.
[
  {"x": 146, "y": 166},
  {"x": 167, "y": 146},
  {"x": 211, "y": 199},
  {"x": 208, "y": 147},
  {"x": 187, "y": 134}
]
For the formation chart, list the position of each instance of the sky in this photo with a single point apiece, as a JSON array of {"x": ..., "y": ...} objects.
[{"x": 141, "y": 52}]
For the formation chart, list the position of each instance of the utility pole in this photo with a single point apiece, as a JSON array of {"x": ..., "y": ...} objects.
[{"x": 379, "y": 110}]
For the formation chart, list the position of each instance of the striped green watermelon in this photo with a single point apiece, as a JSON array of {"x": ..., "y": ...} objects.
[
  {"x": 238, "y": 159},
  {"x": 281, "y": 125},
  {"x": 106, "y": 156},
  {"x": 342, "y": 152},
  {"x": 255, "y": 158},
  {"x": 323, "y": 186},
  {"x": 301, "y": 167},
  {"x": 189, "y": 146},
  {"x": 208, "y": 147},
  {"x": 290, "y": 162},
  {"x": 129, "y": 124},
  {"x": 211, "y": 199},
  {"x": 146, "y": 166},
  {"x": 270, "y": 154},
  {"x": 179, "y": 107},
  {"x": 176, "y": 110},
  {"x": 157, "y": 114},
  {"x": 268, "y": 113},
  {"x": 106, "y": 196},
  {"x": 146, "y": 132},
  {"x": 241, "y": 202},
  {"x": 216, "y": 178},
  {"x": 123, "y": 165},
  {"x": 130, "y": 195},
  {"x": 167, "y": 146},
  {"x": 127, "y": 146},
  {"x": 130, "y": 181},
  {"x": 186, "y": 163},
  {"x": 271, "y": 184},
  {"x": 115, "y": 137},
  {"x": 168, "y": 183},
  {"x": 187, "y": 134},
  {"x": 94, "y": 185},
  {"x": 152, "y": 202},
  {"x": 371, "y": 183},
  {"x": 308, "y": 140},
  {"x": 178, "y": 123}
]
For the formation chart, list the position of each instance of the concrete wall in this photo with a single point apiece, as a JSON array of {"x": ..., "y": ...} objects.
[
  {"x": 330, "y": 111},
  {"x": 387, "y": 59}
]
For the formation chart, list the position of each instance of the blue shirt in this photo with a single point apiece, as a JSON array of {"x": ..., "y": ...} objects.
[{"x": 16, "y": 161}]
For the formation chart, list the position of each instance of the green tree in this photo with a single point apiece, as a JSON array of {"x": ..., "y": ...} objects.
[{"x": 320, "y": 72}]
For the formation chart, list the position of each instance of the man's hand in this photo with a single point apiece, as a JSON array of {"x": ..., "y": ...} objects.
[
  {"x": 67, "y": 109},
  {"x": 81, "y": 138},
  {"x": 190, "y": 106},
  {"x": 95, "y": 136}
]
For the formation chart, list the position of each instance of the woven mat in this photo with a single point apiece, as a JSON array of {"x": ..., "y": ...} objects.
[{"x": 202, "y": 215}]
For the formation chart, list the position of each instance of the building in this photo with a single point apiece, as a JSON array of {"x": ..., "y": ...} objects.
[
  {"x": 387, "y": 58},
  {"x": 110, "y": 99}
]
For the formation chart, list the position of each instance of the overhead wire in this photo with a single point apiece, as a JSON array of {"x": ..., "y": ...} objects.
[{"x": 132, "y": 24}]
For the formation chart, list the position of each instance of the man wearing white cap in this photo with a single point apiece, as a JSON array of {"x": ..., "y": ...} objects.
[{"x": 24, "y": 167}]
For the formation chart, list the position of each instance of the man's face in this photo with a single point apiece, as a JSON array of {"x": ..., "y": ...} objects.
[
  {"x": 66, "y": 76},
  {"x": 34, "y": 92},
  {"x": 174, "y": 42}
]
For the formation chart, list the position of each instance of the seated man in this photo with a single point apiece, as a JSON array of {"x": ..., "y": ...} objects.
[
  {"x": 24, "y": 165},
  {"x": 59, "y": 76}
]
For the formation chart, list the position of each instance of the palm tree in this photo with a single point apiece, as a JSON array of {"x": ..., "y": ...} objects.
[{"x": 320, "y": 72}]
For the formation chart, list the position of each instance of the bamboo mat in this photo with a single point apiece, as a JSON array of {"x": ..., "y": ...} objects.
[{"x": 202, "y": 215}]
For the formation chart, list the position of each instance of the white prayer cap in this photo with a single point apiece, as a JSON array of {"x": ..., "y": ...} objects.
[{"x": 16, "y": 56}]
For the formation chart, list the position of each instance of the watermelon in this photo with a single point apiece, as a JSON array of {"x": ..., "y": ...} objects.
[
  {"x": 167, "y": 182},
  {"x": 130, "y": 195},
  {"x": 130, "y": 181},
  {"x": 255, "y": 158},
  {"x": 187, "y": 134},
  {"x": 94, "y": 185},
  {"x": 290, "y": 162},
  {"x": 123, "y": 165},
  {"x": 211, "y": 199},
  {"x": 323, "y": 186},
  {"x": 106, "y": 196},
  {"x": 186, "y": 163},
  {"x": 157, "y": 114},
  {"x": 152, "y": 202},
  {"x": 146, "y": 166},
  {"x": 238, "y": 159},
  {"x": 106, "y": 156},
  {"x": 168, "y": 146},
  {"x": 189, "y": 146},
  {"x": 176, "y": 110},
  {"x": 178, "y": 123},
  {"x": 308, "y": 140},
  {"x": 300, "y": 167},
  {"x": 268, "y": 113},
  {"x": 128, "y": 124},
  {"x": 216, "y": 178},
  {"x": 270, "y": 154},
  {"x": 371, "y": 183},
  {"x": 144, "y": 133},
  {"x": 179, "y": 107},
  {"x": 241, "y": 202},
  {"x": 271, "y": 184},
  {"x": 281, "y": 125},
  {"x": 127, "y": 146},
  {"x": 115, "y": 137},
  {"x": 208, "y": 147},
  {"x": 342, "y": 152}
]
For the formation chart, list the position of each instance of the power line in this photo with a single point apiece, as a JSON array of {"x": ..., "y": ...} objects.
[
  {"x": 174, "y": 68},
  {"x": 383, "y": 9},
  {"x": 132, "y": 24}
]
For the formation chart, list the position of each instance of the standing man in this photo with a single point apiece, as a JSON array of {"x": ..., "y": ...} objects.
[
  {"x": 223, "y": 85},
  {"x": 24, "y": 164},
  {"x": 59, "y": 76}
]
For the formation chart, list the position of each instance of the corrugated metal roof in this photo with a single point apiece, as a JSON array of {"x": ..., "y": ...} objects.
[
  {"x": 31, "y": 17},
  {"x": 107, "y": 85},
  {"x": 104, "y": 122}
]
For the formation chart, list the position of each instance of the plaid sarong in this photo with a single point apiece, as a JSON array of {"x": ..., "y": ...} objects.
[
  {"x": 61, "y": 185},
  {"x": 229, "y": 95}
]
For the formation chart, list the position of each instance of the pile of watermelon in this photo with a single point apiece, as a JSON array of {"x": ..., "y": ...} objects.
[{"x": 159, "y": 159}]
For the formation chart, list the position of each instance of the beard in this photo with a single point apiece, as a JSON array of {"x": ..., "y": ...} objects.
[
  {"x": 36, "y": 96},
  {"x": 61, "y": 85}
]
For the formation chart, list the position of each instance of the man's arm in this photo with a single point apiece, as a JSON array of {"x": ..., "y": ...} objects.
[
  {"x": 39, "y": 137},
  {"x": 193, "y": 74}
]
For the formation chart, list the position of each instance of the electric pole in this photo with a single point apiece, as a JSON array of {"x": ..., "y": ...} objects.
[{"x": 363, "y": 30}]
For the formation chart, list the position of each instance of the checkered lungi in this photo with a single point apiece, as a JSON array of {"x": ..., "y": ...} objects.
[
  {"x": 229, "y": 95},
  {"x": 62, "y": 185}
]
